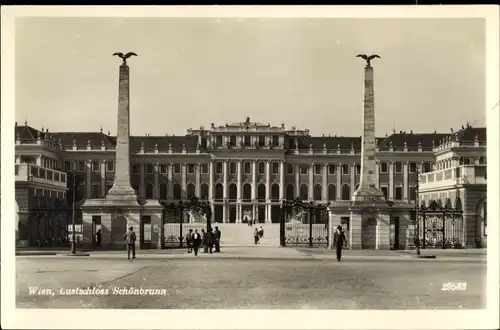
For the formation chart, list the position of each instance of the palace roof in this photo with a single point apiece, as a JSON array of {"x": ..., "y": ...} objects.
[{"x": 468, "y": 134}]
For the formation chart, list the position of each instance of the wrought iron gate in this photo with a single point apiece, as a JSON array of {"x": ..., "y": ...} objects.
[
  {"x": 179, "y": 218},
  {"x": 438, "y": 227},
  {"x": 303, "y": 224}
]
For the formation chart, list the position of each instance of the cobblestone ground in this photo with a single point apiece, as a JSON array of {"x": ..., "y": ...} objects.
[{"x": 215, "y": 283}]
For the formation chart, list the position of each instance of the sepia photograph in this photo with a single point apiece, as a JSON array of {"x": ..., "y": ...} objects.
[{"x": 213, "y": 161}]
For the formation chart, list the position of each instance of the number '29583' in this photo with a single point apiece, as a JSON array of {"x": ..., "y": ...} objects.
[{"x": 451, "y": 286}]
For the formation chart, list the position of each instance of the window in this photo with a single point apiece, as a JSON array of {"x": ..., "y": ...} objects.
[
  {"x": 318, "y": 169},
  {"x": 358, "y": 169},
  {"x": 177, "y": 191},
  {"x": 95, "y": 166},
  {"x": 289, "y": 168},
  {"x": 110, "y": 166},
  {"x": 218, "y": 168},
  {"x": 346, "y": 192},
  {"x": 177, "y": 168},
  {"x": 190, "y": 168},
  {"x": 149, "y": 168},
  {"x": 262, "y": 141},
  {"x": 247, "y": 167},
  {"x": 232, "y": 167},
  {"x": 232, "y": 140},
  {"x": 303, "y": 169},
  {"x": 331, "y": 169},
  {"x": 67, "y": 165},
  {"x": 149, "y": 190},
  {"x": 204, "y": 191},
  {"x": 163, "y": 168},
  {"x": 81, "y": 166},
  {"x": 276, "y": 168},
  {"x": 204, "y": 168},
  {"x": 398, "y": 167},
  {"x": 276, "y": 141},
  {"x": 262, "y": 168},
  {"x": 345, "y": 169},
  {"x": 246, "y": 141},
  {"x": 304, "y": 192},
  {"x": 413, "y": 193},
  {"x": 163, "y": 191},
  {"x": 191, "y": 190},
  {"x": 383, "y": 167},
  {"x": 399, "y": 193},
  {"x": 427, "y": 167},
  {"x": 96, "y": 190},
  {"x": 218, "y": 140},
  {"x": 317, "y": 192},
  {"x": 413, "y": 167},
  {"x": 332, "y": 192},
  {"x": 385, "y": 191},
  {"x": 135, "y": 168}
]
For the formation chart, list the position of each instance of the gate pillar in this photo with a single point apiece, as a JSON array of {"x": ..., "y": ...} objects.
[
  {"x": 355, "y": 234},
  {"x": 383, "y": 232}
]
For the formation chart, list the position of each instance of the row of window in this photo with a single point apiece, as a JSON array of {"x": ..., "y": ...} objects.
[
  {"x": 290, "y": 192},
  {"x": 246, "y": 141},
  {"x": 247, "y": 168}
]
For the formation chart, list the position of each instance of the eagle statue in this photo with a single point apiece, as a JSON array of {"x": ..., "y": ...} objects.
[
  {"x": 368, "y": 58},
  {"x": 124, "y": 57}
]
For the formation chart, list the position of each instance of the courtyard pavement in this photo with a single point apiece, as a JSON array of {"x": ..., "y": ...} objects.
[{"x": 290, "y": 279}]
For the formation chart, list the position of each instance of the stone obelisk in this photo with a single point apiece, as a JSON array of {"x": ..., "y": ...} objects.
[
  {"x": 367, "y": 190},
  {"x": 122, "y": 191}
]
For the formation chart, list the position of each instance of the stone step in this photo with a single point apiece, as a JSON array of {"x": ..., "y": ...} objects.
[{"x": 242, "y": 235}]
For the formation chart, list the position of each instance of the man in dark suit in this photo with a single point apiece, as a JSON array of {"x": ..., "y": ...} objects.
[
  {"x": 210, "y": 240},
  {"x": 196, "y": 242},
  {"x": 130, "y": 241},
  {"x": 217, "y": 236},
  {"x": 338, "y": 240}
]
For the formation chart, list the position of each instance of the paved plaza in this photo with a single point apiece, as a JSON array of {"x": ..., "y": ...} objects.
[{"x": 248, "y": 278}]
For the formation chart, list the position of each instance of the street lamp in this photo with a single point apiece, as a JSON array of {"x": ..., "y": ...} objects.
[{"x": 75, "y": 184}]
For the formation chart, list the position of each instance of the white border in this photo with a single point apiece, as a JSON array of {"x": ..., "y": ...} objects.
[{"x": 244, "y": 319}]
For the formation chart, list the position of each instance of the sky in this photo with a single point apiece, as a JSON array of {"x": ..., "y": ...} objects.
[{"x": 192, "y": 72}]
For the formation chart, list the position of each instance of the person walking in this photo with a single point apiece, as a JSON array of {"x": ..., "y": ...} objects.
[
  {"x": 204, "y": 240},
  {"x": 217, "y": 236},
  {"x": 210, "y": 240},
  {"x": 261, "y": 232},
  {"x": 189, "y": 241},
  {"x": 130, "y": 239},
  {"x": 98, "y": 237},
  {"x": 256, "y": 236},
  {"x": 196, "y": 242},
  {"x": 338, "y": 240}
]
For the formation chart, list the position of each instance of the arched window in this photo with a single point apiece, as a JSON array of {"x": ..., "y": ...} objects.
[
  {"x": 149, "y": 191},
  {"x": 304, "y": 193},
  {"x": 290, "y": 191},
  {"x": 247, "y": 191},
  {"x": 233, "y": 191},
  {"x": 261, "y": 191},
  {"x": 275, "y": 191},
  {"x": 191, "y": 190},
  {"x": 177, "y": 191},
  {"x": 346, "y": 192},
  {"x": 204, "y": 191},
  {"x": 163, "y": 191},
  {"x": 317, "y": 192},
  {"x": 219, "y": 191},
  {"x": 332, "y": 192},
  {"x": 448, "y": 203}
]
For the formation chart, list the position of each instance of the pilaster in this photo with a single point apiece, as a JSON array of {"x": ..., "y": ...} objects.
[
  {"x": 405, "y": 181},
  {"x": 311, "y": 182},
  {"x": 324, "y": 186},
  {"x": 338, "y": 186},
  {"x": 391, "y": 180},
  {"x": 156, "y": 192}
]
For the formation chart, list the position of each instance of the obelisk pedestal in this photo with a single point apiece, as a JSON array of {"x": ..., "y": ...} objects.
[{"x": 369, "y": 219}]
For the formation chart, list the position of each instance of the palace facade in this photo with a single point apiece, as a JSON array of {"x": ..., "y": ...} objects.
[{"x": 245, "y": 169}]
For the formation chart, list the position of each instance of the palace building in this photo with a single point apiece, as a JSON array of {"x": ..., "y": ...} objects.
[{"x": 245, "y": 170}]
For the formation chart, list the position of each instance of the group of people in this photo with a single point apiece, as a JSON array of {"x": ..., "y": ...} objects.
[
  {"x": 258, "y": 233},
  {"x": 207, "y": 239}
]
